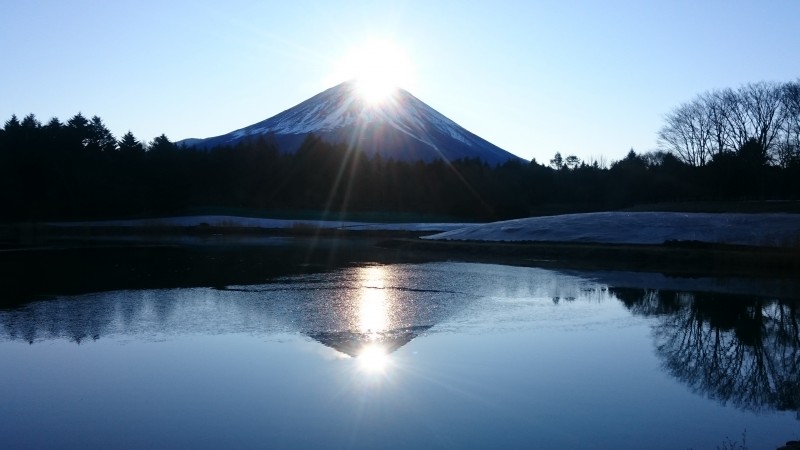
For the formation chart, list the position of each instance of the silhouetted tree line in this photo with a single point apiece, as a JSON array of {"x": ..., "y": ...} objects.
[
  {"x": 762, "y": 119},
  {"x": 78, "y": 170}
]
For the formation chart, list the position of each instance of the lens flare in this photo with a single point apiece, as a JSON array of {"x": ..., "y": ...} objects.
[
  {"x": 379, "y": 68},
  {"x": 373, "y": 358}
]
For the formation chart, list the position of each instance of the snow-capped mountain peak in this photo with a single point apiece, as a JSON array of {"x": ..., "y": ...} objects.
[{"x": 400, "y": 127}]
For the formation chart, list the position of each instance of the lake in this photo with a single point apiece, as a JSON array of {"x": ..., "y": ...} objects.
[{"x": 271, "y": 344}]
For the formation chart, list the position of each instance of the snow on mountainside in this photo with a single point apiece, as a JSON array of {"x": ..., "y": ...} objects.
[{"x": 400, "y": 127}]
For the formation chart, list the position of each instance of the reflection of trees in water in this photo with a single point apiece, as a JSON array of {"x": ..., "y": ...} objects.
[
  {"x": 735, "y": 349},
  {"x": 88, "y": 317}
]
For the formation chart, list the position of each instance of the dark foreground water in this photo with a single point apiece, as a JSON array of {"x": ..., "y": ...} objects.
[{"x": 406, "y": 355}]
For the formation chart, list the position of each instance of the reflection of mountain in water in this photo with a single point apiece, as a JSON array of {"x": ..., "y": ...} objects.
[
  {"x": 339, "y": 308},
  {"x": 344, "y": 309},
  {"x": 352, "y": 343},
  {"x": 384, "y": 305},
  {"x": 736, "y": 349}
]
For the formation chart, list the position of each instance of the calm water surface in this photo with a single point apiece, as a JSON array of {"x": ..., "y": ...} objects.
[{"x": 405, "y": 355}]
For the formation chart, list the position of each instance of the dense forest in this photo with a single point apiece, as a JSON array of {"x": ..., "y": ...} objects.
[{"x": 79, "y": 170}]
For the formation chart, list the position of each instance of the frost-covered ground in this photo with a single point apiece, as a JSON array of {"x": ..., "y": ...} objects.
[
  {"x": 267, "y": 224},
  {"x": 773, "y": 230}
]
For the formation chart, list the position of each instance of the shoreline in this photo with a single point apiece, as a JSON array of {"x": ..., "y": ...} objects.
[
  {"x": 675, "y": 258},
  {"x": 78, "y": 264},
  {"x": 563, "y": 241}
]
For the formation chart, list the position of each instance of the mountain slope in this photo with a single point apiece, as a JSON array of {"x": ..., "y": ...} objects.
[{"x": 400, "y": 127}]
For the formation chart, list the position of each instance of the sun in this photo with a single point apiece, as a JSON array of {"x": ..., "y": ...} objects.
[
  {"x": 373, "y": 358},
  {"x": 378, "y": 68}
]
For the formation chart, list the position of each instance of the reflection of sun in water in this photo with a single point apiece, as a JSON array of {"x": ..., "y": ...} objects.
[
  {"x": 373, "y": 358},
  {"x": 373, "y": 303},
  {"x": 378, "y": 67},
  {"x": 374, "y": 318}
]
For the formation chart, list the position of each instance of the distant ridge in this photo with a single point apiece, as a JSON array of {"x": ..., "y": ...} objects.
[{"x": 401, "y": 127}]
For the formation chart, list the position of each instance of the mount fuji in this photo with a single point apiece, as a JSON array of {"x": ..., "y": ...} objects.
[{"x": 400, "y": 127}]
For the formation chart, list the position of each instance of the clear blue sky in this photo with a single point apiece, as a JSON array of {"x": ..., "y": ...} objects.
[{"x": 589, "y": 78}]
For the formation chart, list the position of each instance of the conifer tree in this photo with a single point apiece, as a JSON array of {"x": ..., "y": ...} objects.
[
  {"x": 161, "y": 144},
  {"x": 78, "y": 131},
  {"x": 100, "y": 138},
  {"x": 129, "y": 145}
]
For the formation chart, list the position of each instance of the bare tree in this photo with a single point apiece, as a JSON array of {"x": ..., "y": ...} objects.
[
  {"x": 598, "y": 162},
  {"x": 724, "y": 121},
  {"x": 735, "y": 114},
  {"x": 714, "y": 107},
  {"x": 764, "y": 112},
  {"x": 687, "y": 133},
  {"x": 789, "y": 147}
]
